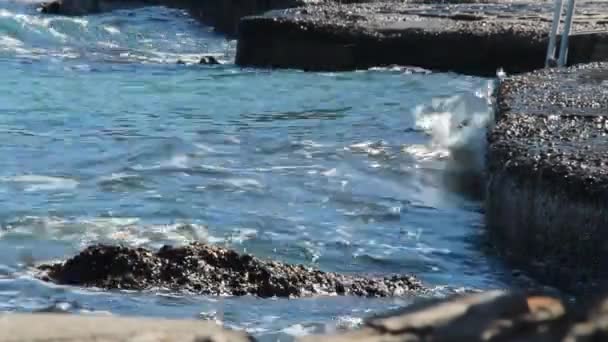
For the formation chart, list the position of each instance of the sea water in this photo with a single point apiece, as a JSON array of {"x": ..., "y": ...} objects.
[{"x": 104, "y": 137}]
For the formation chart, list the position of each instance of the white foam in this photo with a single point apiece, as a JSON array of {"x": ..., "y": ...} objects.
[
  {"x": 205, "y": 148},
  {"x": 372, "y": 148},
  {"x": 10, "y": 42},
  {"x": 330, "y": 173},
  {"x": 244, "y": 183},
  {"x": 236, "y": 237},
  {"x": 180, "y": 161},
  {"x": 118, "y": 176},
  {"x": 129, "y": 230},
  {"x": 298, "y": 330},
  {"x": 111, "y": 29},
  {"x": 457, "y": 126},
  {"x": 33, "y": 183}
]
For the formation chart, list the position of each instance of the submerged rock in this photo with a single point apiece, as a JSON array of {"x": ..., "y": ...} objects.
[
  {"x": 209, "y": 60},
  {"x": 71, "y": 7},
  {"x": 84, "y": 7},
  {"x": 547, "y": 185},
  {"x": 212, "y": 270}
]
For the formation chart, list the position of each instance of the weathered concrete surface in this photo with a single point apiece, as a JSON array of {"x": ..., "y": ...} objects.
[
  {"x": 467, "y": 38},
  {"x": 206, "y": 269},
  {"x": 71, "y": 328},
  {"x": 547, "y": 195},
  {"x": 490, "y": 316}
]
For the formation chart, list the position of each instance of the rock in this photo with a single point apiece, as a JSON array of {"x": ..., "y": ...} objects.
[
  {"x": 488, "y": 316},
  {"x": 71, "y": 7},
  {"x": 212, "y": 270},
  {"x": 467, "y": 38},
  {"x": 224, "y": 15},
  {"x": 459, "y": 319},
  {"x": 209, "y": 60},
  {"x": 84, "y": 7},
  {"x": 72, "y": 328},
  {"x": 53, "y": 7},
  {"x": 547, "y": 192}
]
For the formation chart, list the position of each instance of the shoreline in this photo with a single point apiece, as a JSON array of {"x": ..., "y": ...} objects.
[{"x": 547, "y": 185}]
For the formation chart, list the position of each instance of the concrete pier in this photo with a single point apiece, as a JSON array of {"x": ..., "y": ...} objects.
[
  {"x": 470, "y": 38},
  {"x": 547, "y": 194}
]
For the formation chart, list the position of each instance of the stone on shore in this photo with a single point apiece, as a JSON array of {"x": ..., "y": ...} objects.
[
  {"x": 72, "y": 328},
  {"x": 468, "y": 38},
  {"x": 489, "y": 316},
  {"x": 547, "y": 193},
  {"x": 211, "y": 270}
]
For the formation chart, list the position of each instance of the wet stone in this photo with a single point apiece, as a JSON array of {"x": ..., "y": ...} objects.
[
  {"x": 555, "y": 121},
  {"x": 487, "y": 316},
  {"x": 211, "y": 270}
]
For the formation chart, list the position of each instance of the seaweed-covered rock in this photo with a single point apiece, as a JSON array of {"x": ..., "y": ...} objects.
[{"x": 206, "y": 269}]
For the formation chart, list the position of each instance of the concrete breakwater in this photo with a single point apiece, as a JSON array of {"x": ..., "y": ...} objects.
[
  {"x": 461, "y": 36},
  {"x": 467, "y": 38},
  {"x": 548, "y": 176}
]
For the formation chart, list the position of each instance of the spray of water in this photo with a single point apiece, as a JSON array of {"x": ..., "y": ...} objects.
[{"x": 457, "y": 126}]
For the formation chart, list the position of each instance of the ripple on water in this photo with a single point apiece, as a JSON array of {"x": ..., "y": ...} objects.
[
  {"x": 33, "y": 183},
  {"x": 354, "y": 172}
]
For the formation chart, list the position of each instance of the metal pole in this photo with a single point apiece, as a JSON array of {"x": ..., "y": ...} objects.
[
  {"x": 557, "y": 14},
  {"x": 563, "y": 49}
]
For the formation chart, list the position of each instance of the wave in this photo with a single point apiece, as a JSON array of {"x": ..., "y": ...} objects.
[
  {"x": 34, "y": 183},
  {"x": 457, "y": 126},
  {"x": 131, "y": 36},
  {"x": 128, "y": 230}
]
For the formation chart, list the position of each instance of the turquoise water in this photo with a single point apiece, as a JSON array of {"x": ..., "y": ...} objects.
[{"x": 105, "y": 138}]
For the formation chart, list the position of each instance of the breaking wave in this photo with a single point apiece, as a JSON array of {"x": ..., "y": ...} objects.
[
  {"x": 123, "y": 36},
  {"x": 457, "y": 127}
]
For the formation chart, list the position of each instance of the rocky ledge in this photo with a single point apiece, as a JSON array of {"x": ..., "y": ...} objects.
[
  {"x": 547, "y": 195},
  {"x": 472, "y": 38},
  {"x": 489, "y": 316},
  {"x": 205, "y": 269}
]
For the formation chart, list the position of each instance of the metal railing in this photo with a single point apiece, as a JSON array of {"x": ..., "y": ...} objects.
[{"x": 562, "y": 58}]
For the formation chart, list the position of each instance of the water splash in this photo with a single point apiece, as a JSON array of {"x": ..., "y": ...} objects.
[{"x": 457, "y": 127}]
